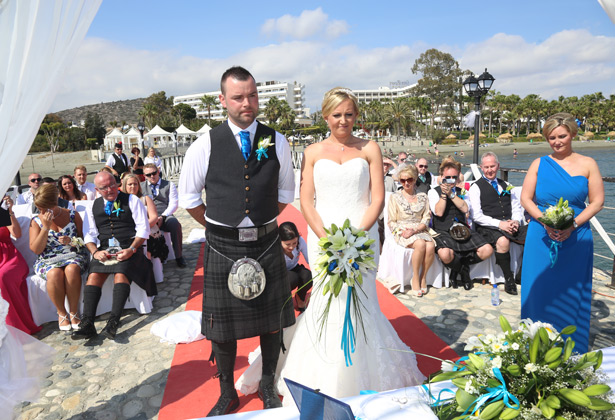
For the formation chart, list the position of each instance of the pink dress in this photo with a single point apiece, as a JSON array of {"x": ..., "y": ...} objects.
[{"x": 13, "y": 273}]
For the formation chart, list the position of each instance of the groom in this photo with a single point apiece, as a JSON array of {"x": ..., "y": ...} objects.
[{"x": 246, "y": 184}]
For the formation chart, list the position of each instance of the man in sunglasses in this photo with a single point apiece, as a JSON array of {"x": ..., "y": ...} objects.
[
  {"x": 426, "y": 179},
  {"x": 34, "y": 181},
  {"x": 497, "y": 216},
  {"x": 164, "y": 194}
]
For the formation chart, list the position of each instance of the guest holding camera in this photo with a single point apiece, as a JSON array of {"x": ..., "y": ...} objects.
[{"x": 299, "y": 277}]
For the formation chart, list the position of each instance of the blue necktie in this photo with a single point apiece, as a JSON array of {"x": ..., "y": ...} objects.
[
  {"x": 108, "y": 207},
  {"x": 494, "y": 183},
  {"x": 154, "y": 191},
  {"x": 245, "y": 143}
]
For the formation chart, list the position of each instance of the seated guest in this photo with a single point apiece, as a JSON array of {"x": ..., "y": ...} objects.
[
  {"x": 119, "y": 222},
  {"x": 118, "y": 162},
  {"x": 461, "y": 184},
  {"x": 299, "y": 277},
  {"x": 86, "y": 188},
  {"x": 65, "y": 204},
  {"x": 425, "y": 179},
  {"x": 34, "y": 181},
  {"x": 388, "y": 167},
  {"x": 164, "y": 194},
  {"x": 408, "y": 219},
  {"x": 136, "y": 163},
  {"x": 13, "y": 273},
  {"x": 59, "y": 262},
  {"x": 152, "y": 157},
  {"x": 496, "y": 216},
  {"x": 456, "y": 245},
  {"x": 69, "y": 190},
  {"x": 156, "y": 244}
]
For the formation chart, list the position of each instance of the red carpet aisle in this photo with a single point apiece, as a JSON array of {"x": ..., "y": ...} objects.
[{"x": 191, "y": 391}]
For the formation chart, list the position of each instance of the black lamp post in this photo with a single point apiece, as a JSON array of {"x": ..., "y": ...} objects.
[
  {"x": 175, "y": 140},
  {"x": 141, "y": 128},
  {"x": 477, "y": 88}
]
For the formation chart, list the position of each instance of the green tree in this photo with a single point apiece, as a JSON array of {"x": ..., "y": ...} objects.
[
  {"x": 183, "y": 113},
  {"x": 210, "y": 103},
  {"x": 158, "y": 108},
  {"x": 287, "y": 116},
  {"x": 52, "y": 132},
  {"x": 149, "y": 114},
  {"x": 95, "y": 127},
  {"x": 273, "y": 110},
  {"x": 439, "y": 78}
]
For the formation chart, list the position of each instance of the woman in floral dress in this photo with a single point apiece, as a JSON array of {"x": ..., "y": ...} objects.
[{"x": 61, "y": 259}]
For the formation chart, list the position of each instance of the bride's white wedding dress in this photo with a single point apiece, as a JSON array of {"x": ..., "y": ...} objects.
[{"x": 381, "y": 361}]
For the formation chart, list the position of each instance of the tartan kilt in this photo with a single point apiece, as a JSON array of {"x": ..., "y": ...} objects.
[
  {"x": 445, "y": 240},
  {"x": 137, "y": 268},
  {"x": 492, "y": 234},
  {"x": 226, "y": 317}
]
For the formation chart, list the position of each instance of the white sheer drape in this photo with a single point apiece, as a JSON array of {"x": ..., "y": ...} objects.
[
  {"x": 38, "y": 40},
  {"x": 609, "y": 8}
]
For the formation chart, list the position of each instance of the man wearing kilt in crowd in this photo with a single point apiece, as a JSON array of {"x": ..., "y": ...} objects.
[
  {"x": 246, "y": 170},
  {"x": 119, "y": 222},
  {"x": 497, "y": 216},
  {"x": 456, "y": 244}
]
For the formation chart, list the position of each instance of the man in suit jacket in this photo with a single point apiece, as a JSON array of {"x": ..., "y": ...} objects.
[
  {"x": 246, "y": 170},
  {"x": 164, "y": 194}
]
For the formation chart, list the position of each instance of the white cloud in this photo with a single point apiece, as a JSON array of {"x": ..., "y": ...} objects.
[
  {"x": 567, "y": 63},
  {"x": 309, "y": 24}
]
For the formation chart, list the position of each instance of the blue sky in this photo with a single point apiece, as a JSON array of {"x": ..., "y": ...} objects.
[{"x": 135, "y": 48}]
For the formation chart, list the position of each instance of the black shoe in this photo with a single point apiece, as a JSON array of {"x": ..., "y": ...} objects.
[
  {"x": 510, "y": 287},
  {"x": 269, "y": 396},
  {"x": 227, "y": 403},
  {"x": 453, "y": 279},
  {"x": 111, "y": 328},
  {"x": 465, "y": 277},
  {"x": 181, "y": 263},
  {"x": 86, "y": 330}
]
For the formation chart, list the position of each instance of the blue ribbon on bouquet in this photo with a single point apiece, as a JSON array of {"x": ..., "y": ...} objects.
[
  {"x": 348, "y": 337},
  {"x": 438, "y": 401},
  {"x": 495, "y": 394},
  {"x": 554, "y": 251}
]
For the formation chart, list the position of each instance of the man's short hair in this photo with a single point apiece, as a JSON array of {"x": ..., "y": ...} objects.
[
  {"x": 150, "y": 166},
  {"x": 237, "y": 73},
  {"x": 489, "y": 154},
  {"x": 80, "y": 168},
  {"x": 49, "y": 180}
]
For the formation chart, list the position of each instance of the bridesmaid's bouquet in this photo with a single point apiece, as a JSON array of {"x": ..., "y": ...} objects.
[
  {"x": 344, "y": 254},
  {"x": 526, "y": 373},
  {"x": 559, "y": 216}
]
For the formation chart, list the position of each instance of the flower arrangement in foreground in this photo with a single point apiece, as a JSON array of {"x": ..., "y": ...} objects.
[
  {"x": 528, "y": 373},
  {"x": 344, "y": 253}
]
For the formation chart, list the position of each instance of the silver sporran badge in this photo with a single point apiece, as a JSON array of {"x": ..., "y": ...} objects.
[{"x": 246, "y": 280}]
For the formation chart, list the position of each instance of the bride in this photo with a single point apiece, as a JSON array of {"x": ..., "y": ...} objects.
[{"x": 342, "y": 178}]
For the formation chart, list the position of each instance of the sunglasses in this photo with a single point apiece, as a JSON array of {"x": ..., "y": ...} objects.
[
  {"x": 423, "y": 166},
  {"x": 36, "y": 180},
  {"x": 404, "y": 180},
  {"x": 450, "y": 177},
  {"x": 151, "y": 174}
]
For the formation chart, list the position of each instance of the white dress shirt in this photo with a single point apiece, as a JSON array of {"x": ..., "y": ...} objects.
[
  {"x": 196, "y": 165},
  {"x": 88, "y": 189},
  {"x": 139, "y": 215},
  {"x": 481, "y": 218},
  {"x": 301, "y": 249},
  {"x": 173, "y": 200},
  {"x": 155, "y": 160},
  {"x": 123, "y": 158},
  {"x": 25, "y": 198}
]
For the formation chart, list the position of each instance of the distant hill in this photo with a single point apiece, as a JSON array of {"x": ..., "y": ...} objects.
[{"x": 119, "y": 111}]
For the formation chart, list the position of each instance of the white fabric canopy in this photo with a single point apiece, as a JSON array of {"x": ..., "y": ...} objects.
[
  {"x": 157, "y": 132},
  {"x": 115, "y": 136},
  {"x": 182, "y": 130},
  {"x": 38, "y": 41},
  {"x": 609, "y": 8},
  {"x": 204, "y": 129}
]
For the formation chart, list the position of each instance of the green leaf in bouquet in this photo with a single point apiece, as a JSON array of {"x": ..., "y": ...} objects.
[
  {"x": 322, "y": 242},
  {"x": 445, "y": 376},
  {"x": 509, "y": 414},
  {"x": 346, "y": 224},
  {"x": 514, "y": 370},
  {"x": 477, "y": 361},
  {"x": 334, "y": 228},
  {"x": 534, "y": 348},
  {"x": 464, "y": 399},
  {"x": 553, "y": 402},
  {"x": 505, "y": 324},
  {"x": 599, "y": 405},
  {"x": 555, "y": 364},
  {"x": 492, "y": 410},
  {"x": 326, "y": 288},
  {"x": 598, "y": 360},
  {"x": 568, "y": 348},
  {"x": 544, "y": 335},
  {"x": 574, "y": 396},
  {"x": 546, "y": 410},
  {"x": 595, "y": 390},
  {"x": 460, "y": 382},
  {"x": 337, "y": 285},
  {"x": 570, "y": 329},
  {"x": 553, "y": 354}
]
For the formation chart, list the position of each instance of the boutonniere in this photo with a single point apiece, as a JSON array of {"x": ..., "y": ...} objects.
[
  {"x": 117, "y": 209},
  {"x": 263, "y": 145},
  {"x": 508, "y": 190},
  {"x": 462, "y": 192}
]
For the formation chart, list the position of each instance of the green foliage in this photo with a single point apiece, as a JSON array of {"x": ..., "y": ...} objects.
[
  {"x": 439, "y": 135},
  {"x": 92, "y": 143},
  {"x": 183, "y": 113},
  {"x": 94, "y": 127}
]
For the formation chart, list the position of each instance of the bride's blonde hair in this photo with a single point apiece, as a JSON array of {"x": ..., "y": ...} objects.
[{"x": 336, "y": 96}]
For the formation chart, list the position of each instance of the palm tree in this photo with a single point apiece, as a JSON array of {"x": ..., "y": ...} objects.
[
  {"x": 208, "y": 102},
  {"x": 273, "y": 109},
  {"x": 149, "y": 113},
  {"x": 396, "y": 112},
  {"x": 287, "y": 116}
]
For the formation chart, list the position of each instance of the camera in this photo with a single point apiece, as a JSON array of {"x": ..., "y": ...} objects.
[{"x": 449, "y": 181}]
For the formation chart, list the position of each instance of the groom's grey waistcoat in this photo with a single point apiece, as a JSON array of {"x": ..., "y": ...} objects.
[
  {"x": 236, "y": 188},
  {"x": 162, "y": 199}
]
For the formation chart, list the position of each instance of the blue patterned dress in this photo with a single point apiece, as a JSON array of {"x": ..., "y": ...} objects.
[{"x": 56, "y": 255}]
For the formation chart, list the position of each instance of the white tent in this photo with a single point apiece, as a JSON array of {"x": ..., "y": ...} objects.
[
  {"x": 184, "y": 133},
  {"x": 203, "y": 129},
  {"x": 133, "y": 138},
  {"x": 115, "y": 136},
  {"x": 157, "y": 133}
]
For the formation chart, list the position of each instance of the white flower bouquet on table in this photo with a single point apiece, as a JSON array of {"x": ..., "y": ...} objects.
[
  {"x": 527, "y": 373},
  {"x": 559, "y": 216},
  {"x": 344, "y": 254}
]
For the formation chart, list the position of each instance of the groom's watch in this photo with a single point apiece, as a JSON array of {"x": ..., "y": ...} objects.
[{"x": 453, "y": 194}]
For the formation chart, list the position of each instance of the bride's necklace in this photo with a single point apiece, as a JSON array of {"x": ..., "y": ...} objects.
[{"x": 342, "y": 145}]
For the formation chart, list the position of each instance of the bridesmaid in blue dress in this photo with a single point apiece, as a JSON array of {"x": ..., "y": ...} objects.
[{"x": 560, "y": 294}]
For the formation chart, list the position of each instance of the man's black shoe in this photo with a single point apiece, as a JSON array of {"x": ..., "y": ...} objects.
[
  {"x": 86, "y": 330},
  {"x": 181, "y": 263},
  {"x": 227, "y": 403},
  {"x": 453, "y": 279},
  {"x": 510, "y": 287},
  {"x": 269, "y": 396},
  {"x": 111, "y": 328},
  {"x": 465, "y": 277}
]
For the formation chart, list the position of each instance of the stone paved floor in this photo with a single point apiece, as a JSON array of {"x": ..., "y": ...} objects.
[{"x": 125, "y": 379}]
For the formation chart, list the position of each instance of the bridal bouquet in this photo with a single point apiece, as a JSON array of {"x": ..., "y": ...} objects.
[
  {"x": 344, "y": 253},
  {"x": 558, "y": 217},
  {"x": 529, "y": 373}
]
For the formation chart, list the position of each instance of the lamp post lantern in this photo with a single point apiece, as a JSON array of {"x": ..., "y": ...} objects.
[
  {"x": 175, "y": 140},
  {"x": 141, "y": 128},
  {"x": 477, "y": 88}
]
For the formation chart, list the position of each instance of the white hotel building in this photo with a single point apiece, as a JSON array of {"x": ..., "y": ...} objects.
[
  {"x": 397, "y": 90},
  {"x": 293, "y": 93}
]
